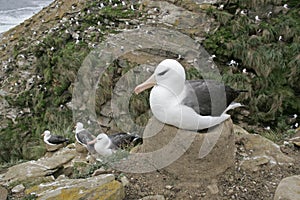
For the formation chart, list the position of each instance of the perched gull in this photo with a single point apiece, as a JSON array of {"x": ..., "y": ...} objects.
[
  {"x": 82, "y": 135},
  {"x": 53, "y": 139},
  {"x": 192, "y": 105},
  {"x": 106, "y": 145}
]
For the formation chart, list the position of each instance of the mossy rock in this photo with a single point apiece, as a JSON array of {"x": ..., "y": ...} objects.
[{"x": 102, "y": 187}]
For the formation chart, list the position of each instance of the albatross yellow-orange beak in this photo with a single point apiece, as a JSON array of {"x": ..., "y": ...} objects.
[{"x": 150, "y": 82}]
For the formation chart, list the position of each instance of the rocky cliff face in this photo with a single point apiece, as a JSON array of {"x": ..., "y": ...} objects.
[
  {"x": 41, "y": 57},
  {"x": 41, "y": 60}
]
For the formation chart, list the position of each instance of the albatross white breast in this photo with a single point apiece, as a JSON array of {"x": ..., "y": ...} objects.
[{"x": 191, "y": 105}]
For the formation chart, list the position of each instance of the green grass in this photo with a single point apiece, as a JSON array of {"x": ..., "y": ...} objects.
[
  {"x": 273, "y": 87},
  {"x": 58, "y": 59}
]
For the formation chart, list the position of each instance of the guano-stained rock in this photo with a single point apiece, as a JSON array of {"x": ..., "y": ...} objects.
[
  {"x": 259, "y": 151},
  {"x": 39, "y": 168},
  {"x": 101, "y": 187}
]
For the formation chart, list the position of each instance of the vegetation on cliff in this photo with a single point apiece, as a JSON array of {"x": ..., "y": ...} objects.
[
  {"x": 266, "y": 52},
  {"x": 57, "y": 58}
]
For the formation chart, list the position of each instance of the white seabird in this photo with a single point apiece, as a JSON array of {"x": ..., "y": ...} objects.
[
  {"x": 106, "y": 145},
  {"x": 53, "y": 139},
  {"x": 257, "y": 19},
  {"x": 191, "y": 105},
  {"x": 82, "y": 135}
]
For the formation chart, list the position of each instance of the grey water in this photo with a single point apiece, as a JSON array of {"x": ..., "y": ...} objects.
[{"x": 14, "y": 12}]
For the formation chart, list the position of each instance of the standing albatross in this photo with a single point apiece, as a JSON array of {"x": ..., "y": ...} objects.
[
  {"x": 82, "y": 135},
  {"x": 187, "y": 104}
]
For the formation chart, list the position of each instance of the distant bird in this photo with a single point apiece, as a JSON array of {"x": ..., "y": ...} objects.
[
  {"x": 233, "y": 63},
  {"x": 295, "y": 116},
  {"x": 269, "y": 14},
  {"x": 291, "y": 119},
  {"x": 106, "y": 145},
  {"x": 244, "y": 12},
  {"x": 295, "y": 126},
  {"x": 257, "y": 19},
  {"x": 286, "y": 6},
  {"x": 102, "y": 5},
  {"x": 82, "y": 135},
  {"x": 221, "y": 7},
  {"x": 280, "y": 38},
  {"x": 53, "y": 139},
  {"x": 212, "y": 57}
]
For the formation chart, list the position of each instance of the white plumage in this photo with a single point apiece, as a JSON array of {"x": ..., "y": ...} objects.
[{"x": 192, "y": 105}]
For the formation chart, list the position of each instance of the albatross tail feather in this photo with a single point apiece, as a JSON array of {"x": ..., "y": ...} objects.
[{"x": 233, "y": 105}]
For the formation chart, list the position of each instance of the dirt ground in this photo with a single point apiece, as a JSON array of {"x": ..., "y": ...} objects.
[{"x": 234, "y": 183}]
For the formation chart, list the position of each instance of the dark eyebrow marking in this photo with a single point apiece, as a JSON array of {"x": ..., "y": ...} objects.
[{"x": 163, "y": 72}]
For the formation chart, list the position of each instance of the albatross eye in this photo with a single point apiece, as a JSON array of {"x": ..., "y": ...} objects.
[{"x": 163, "y": 72}]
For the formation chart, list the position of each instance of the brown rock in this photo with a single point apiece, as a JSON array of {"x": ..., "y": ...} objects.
[
  {"x": 183, "y": 19},
  {"x": 102, "y": 187},
  {"x": 51, "y": 148},
  {"x": 3, "y": 193},
  {"x": 80, "y": 148},
  {"x": 18, "y": 188},
  {"x": 259, "y": 151},
  {"x": 213, "y": 188},
  {"x": 288, "y": 189},
  {"x": 187, "y": 155},
  {"x": 154, "y": 197},
  {"x": 296, "y": 139},
  {"x": 101, "y": 170},
  {"x": 38, "y": 169}
]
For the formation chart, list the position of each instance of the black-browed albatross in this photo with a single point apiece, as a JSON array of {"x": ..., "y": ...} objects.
[
  {"x": 53, "y": 139},
  {"x": 187, "y": 104},
  {"x": 106, "y": 145},
  {"x": 82, "y": 135}
]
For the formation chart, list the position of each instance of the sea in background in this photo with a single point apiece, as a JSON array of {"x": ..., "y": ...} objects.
[{"x": 14, "y": 12}]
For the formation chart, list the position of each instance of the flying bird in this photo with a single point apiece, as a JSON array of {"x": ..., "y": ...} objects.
[
  {"x": 106, "y": 145},
  {"x": 192, "y": 104},
  {"x": 53, "y": 139}
]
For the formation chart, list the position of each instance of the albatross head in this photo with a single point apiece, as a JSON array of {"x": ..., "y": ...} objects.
[
  {"x": 102, "y": 140},
  {"x": 46, "y": 134},
  {"x": 169, "y": 73},
  {"x": 78, "y": 127}
]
